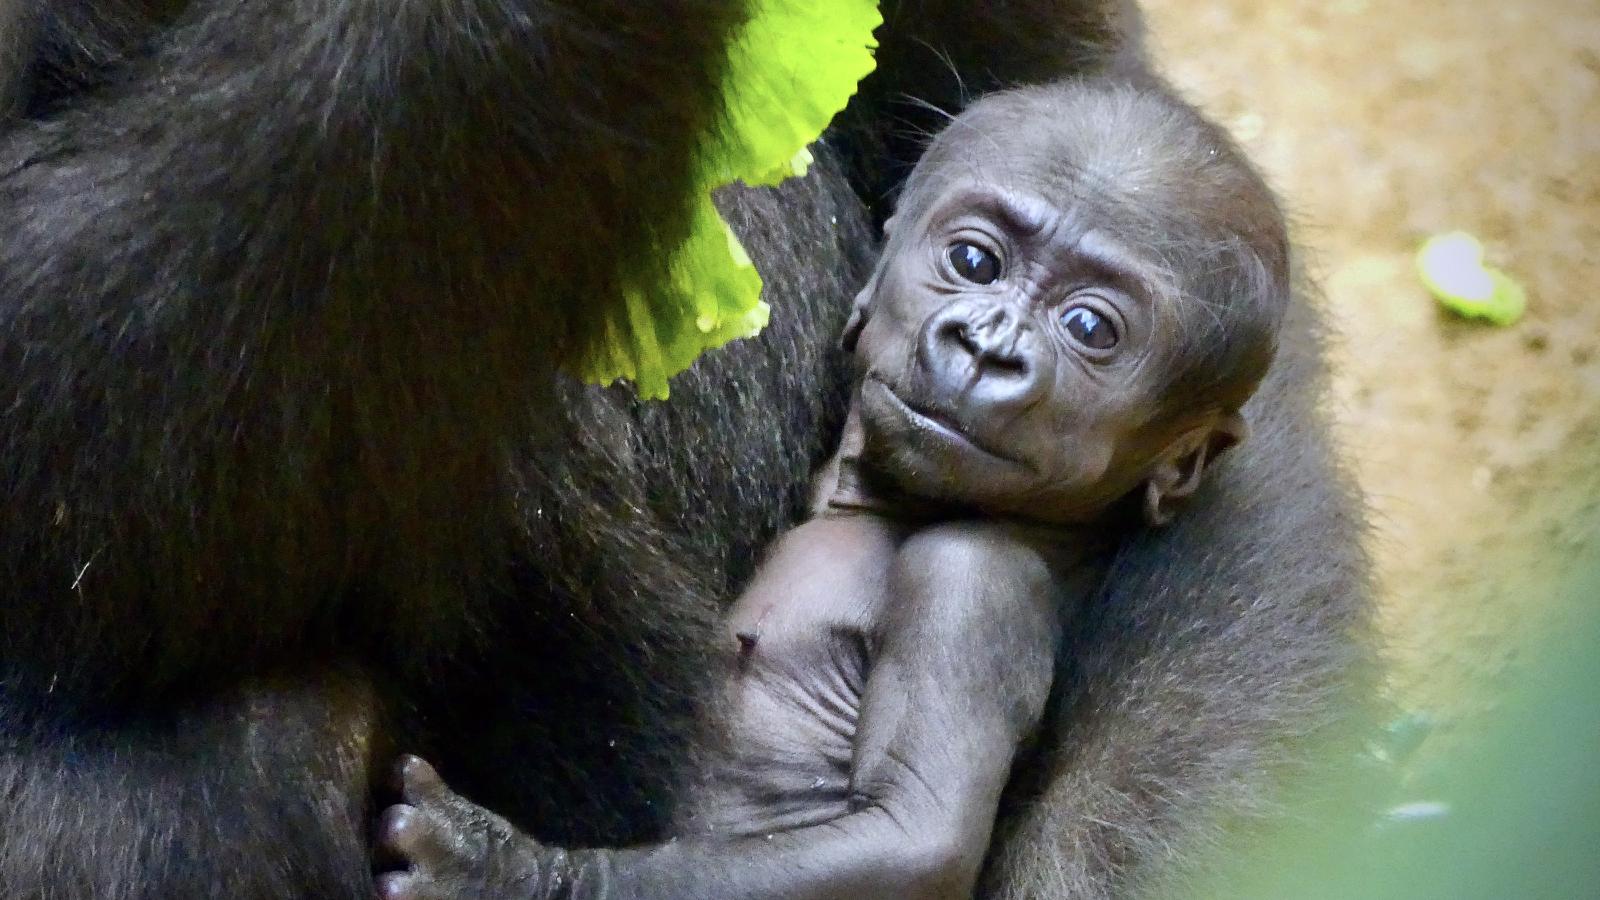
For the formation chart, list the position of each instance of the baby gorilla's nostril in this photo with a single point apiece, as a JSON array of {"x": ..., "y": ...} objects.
[
  {"x": 957, "y": 332},
  {"x": 995, "y": 342},
  {"x": 1006, "y": 363},
  {"x": 991, "y": 342}
]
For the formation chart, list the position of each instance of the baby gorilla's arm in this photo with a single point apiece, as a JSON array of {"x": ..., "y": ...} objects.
[{"x": 966, "y": 659}]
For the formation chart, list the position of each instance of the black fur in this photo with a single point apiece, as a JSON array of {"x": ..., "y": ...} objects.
[{"x": 288, "y": 482}]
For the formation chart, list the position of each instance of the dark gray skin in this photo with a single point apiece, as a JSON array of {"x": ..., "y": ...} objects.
[{"x": 1026, "y": 379}]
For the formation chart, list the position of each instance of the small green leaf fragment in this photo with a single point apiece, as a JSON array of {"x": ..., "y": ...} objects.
[{"x": 1451, "y": 267}]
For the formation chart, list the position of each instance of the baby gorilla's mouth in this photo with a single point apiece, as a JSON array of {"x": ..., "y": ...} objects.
[{"x": 942, "y": 424}]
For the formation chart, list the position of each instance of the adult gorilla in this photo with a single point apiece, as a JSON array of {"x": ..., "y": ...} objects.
[{"x": 289, "y": 480}]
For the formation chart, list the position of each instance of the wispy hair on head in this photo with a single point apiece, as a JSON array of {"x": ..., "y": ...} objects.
[{"x": 1138, "y": 161}]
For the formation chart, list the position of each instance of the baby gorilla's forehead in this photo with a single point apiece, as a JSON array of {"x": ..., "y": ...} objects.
[{"x": 1130, "y": 156}]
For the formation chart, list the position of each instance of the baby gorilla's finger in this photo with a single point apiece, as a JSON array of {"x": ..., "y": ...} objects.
[
  {"x": 420, "y": 783},
  {"x": 416, "y": 836},
  {"x": 407, "y": 886}
]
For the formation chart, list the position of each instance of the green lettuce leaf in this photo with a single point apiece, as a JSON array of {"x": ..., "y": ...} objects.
[{"x": 793, "y": 65}]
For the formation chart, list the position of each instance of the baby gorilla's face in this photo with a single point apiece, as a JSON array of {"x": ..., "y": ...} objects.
[{"x": 1009, "y": 353}]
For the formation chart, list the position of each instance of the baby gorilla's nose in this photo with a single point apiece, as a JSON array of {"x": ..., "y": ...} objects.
[{"x": 988, "y": 353}]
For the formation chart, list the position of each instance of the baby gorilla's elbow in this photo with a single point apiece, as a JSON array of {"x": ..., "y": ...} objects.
[
  {"x": 940, "y": 862},
  {"x": 917, "y": 851}
]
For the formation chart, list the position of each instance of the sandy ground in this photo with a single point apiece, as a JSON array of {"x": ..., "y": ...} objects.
[{"x": 1381, "y": 122}]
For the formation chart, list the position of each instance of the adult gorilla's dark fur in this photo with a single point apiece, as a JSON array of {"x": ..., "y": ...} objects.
[{"x": 288, "y": 482}]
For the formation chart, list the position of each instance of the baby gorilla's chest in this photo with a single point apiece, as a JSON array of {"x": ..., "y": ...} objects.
[
  {"x": 795, "y": 705},
  {"x": 808, "y": 624}
]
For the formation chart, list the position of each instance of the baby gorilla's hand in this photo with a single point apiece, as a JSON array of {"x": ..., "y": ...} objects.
[{"x": 454, "y": 848}]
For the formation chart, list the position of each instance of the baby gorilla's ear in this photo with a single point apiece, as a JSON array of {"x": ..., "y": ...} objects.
[
  {"x": 858, "y": 317},
  {"x": 1177, "y": 474}
]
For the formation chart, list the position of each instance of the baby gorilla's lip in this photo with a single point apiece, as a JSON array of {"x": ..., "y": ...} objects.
[{"x": 939, "y": 423}]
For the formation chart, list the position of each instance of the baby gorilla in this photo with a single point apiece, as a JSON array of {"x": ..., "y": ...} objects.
[{"x": 1080, "y": 288}]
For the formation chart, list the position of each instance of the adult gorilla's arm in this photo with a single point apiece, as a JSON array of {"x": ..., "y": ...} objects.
[{"x": 1215, "y": 639}]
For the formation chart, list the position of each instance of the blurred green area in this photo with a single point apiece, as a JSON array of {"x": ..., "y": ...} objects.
[
  {"x": 791, "y": 66},
  {"x": 1504, "y": 806}
]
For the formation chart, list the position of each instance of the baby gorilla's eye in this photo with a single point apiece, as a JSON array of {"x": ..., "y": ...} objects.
[
  {"x": 1089, "y": 328},
  {"x": 974, "y": 263}
]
